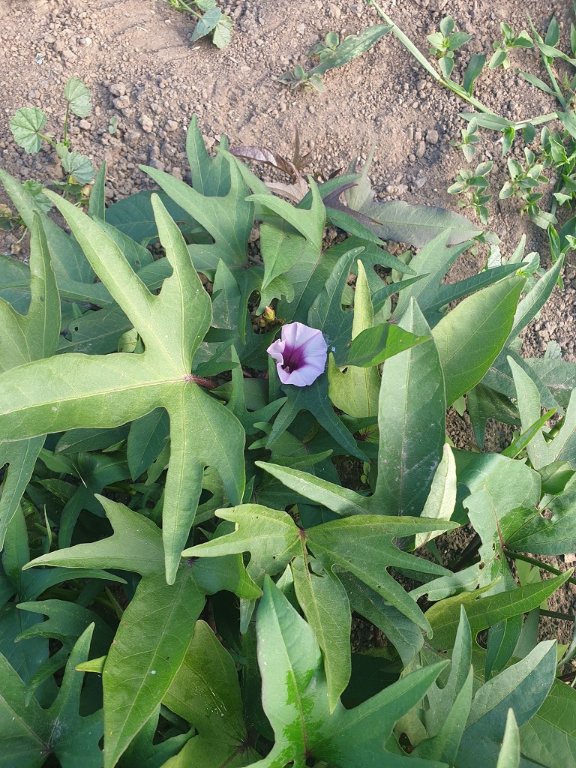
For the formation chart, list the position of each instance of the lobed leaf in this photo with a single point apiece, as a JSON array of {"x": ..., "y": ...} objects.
[
  {"x": 76, "y": 391},
  {"x": 26, "y": 126},
  {"x": 77, "y": 94}
]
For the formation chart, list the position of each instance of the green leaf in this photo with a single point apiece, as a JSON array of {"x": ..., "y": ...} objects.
[
  {"x": 34, "y": 335},
  {"x": 135, "y": 218},
  {"x": 530, "y": 409},
  {"x": 509, "y": 755},
  {"x": 210, "y": 175},
  {"x": 411, "y": 422},
  {"x": 472, "y": 335},
  {"x": 96, "y": 332},
  {"x": 522, "y": 687},
  {"x": 314, "y": 399},
  {"x": 433, "y": 262},
  {"x": 447, "y": 293},
  {"x": 351, "y": 47},
  {"x": 416, "y": 225},
  {"x": 146, "y": 439},
  {"x": 537, "y": 83},
  {"x": 404, "y": 635},
  {"x": 24, "y": 731},
  {"x": 484, "y": 403},
  {"x": 375, "y": 345},
  {"x": 270, "y": 536},
  {"x": 496, "y": 486},
  {"x": 364, "y": 546},
  {"x": 447, "y": 708},
  {"x": 136, "y": 545},
  {"x": 222, "y": 36},
  {"x": 78, "y": 97},
  {"x": 294, "y": 693},
  {"x": 551, "y": 535},
  {"x": 325, "y": 604},
  {"x": 549, "y": 738},
  {"x": 146, "y": 752},
  {"x": 294, "y": 697},
  {"x": 491, "y": 122},
  {"x": 73, "y": 271},
  {"x": 281, "y": 248},
  {"x": 441, "y": 500},
  {"x": 342, "y": 501},
  {"x": 26, "y": 338},
  {"x": 70, "y": 733},
  {"x": 535, "y": 299},
  {"x": 74, "y": 391},
  {"x": 206, "y": 24},
  {"x": 20, "y": 456},
  {"x": 205, "y": 692},
  {"x": 484, "y": 612},
  {"x": 29, "y": 734},
  {"x": 78, "y": 166},
  {"x": 473, "y": 70},
  {"x": 326, "y": 312},
  {"x": 96, "y": 202},
  {"x": 355, "y": 391},
  {"x": 227, "y": 217},
  {"x": 226, "y": 572},
  {"x": 26, "y": 126},
  {"x": 148, "y": 649},
  {"x": 308, "y": 222},
  {"x": 502, "y": 641}
]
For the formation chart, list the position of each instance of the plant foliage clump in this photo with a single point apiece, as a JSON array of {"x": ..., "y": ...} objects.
[{"x": 185, "y": 538}]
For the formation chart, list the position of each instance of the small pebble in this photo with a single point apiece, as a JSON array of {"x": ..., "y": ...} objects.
[
  {"x": 146, "y": 123},
  {"x": 117, "y": 89}
]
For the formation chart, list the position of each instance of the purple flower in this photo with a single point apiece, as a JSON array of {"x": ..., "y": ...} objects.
[{"x": 300, "y": 354}]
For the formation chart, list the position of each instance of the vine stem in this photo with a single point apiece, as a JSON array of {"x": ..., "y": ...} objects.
[
  {"x": 537, "y": 563},
  {"x": 450, "y": 84}
]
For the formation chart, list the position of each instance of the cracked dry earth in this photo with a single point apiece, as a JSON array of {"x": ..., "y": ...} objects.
[{"x": 147, "y": 80}]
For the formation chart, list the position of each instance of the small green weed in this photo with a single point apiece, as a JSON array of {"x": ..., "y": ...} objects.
[
  {"x": 29, "y": 129},
  {"x": 211, "y": 20},
  {"x": 550, "y": 159},
  {"x": 332, "y": 53},
  {"x": 473, "y": 185}
]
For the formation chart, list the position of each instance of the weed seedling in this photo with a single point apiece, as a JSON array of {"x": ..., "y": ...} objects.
[
  {"x": 473, "y": 185},
  {"x": 332, "y": 53},
  {"x": 211, "y": 20},
  {"x": 445, "y": 42},
  {"x": 28, "y": 127}
]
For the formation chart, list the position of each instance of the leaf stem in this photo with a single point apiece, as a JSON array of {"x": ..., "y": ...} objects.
[
  {"x": 182, "y": 5},
  {"x": 556, "y": 615},
  {"x": 66, "y": 123},
  {"x": 537, "y": 563}
]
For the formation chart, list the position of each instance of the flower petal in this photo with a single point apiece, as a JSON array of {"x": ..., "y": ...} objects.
[
  {"x": 300, "y": 354},
  {"x": 276, "y": 350}
]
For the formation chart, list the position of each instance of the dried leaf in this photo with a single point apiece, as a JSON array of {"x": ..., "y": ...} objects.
[
  {"x": 263, "y": 155},
  {"x": 294, "y": 192}
]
